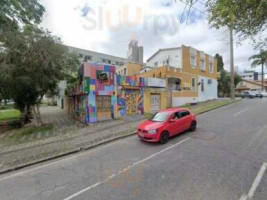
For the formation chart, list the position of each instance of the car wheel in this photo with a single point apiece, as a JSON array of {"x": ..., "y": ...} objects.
[
  {"x": 164, "y": 137},
  {"x": 193, "y": 126}
]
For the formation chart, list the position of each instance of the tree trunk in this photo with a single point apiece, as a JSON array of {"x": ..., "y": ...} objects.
[
  {"x": 262, "y": 77},
  {"x": 35, "y": 116},
  {"x": 5, "y": 101},
  {"x": 39, "y": 114}
]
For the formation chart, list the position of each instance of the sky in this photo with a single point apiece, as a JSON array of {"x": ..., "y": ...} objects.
[{"x": 107, "y": 26}]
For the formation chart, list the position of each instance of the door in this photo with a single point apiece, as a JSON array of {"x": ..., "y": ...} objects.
[
  {"x": 175, "y": 124},
  {"x": 154, "y": 102},
  {"x": 103, "y": 104},
  {"x": 184, "y": 120}
]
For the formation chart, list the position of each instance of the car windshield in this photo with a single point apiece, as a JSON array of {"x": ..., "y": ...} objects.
[{"x": 160, "y": 117}]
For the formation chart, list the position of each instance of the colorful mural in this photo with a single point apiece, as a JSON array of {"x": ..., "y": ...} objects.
[{"x": 102, "y": 94}]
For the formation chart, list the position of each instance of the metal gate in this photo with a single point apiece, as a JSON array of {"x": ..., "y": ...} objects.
[
  {"x": 103, "y": 104},
  {"x": 155, "y": 102}
]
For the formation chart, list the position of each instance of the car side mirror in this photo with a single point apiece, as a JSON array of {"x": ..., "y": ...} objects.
[{"x": 172, "y": 120}]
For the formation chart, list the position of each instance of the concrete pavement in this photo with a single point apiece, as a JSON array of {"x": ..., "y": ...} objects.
[{"x": 223, "y": 160}]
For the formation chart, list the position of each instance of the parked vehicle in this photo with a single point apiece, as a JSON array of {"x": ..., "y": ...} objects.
[
  {"x": 165, "y": 124},
  {"x": 252, "y": 94}
]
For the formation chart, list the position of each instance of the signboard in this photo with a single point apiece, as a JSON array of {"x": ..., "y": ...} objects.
[
  {"x": 102, "y": 76},
  {"x": 156, "y": 82}
]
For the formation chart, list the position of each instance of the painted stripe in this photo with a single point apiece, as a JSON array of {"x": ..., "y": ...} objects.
[
  {"x": 240, "y": 112},
  {"x": 257, "y": 180},
  {"x": 255, "y": 184},
  {"x": 124, "y": 170}
]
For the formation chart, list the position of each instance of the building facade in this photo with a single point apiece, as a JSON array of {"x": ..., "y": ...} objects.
[
  {"x": 92, "y": 56},
  {"x": 250, "y": 85},
  {"x": 191, "y": 75},
  {"x": 135, "y": 52},
  {"x": 129, "y": 69},
  {"x": 102, "y": 94}
]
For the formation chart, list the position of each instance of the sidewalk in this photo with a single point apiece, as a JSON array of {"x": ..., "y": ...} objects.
[
  {"x": 69, "y": 136},
  {"x": 66, "y": 137}
]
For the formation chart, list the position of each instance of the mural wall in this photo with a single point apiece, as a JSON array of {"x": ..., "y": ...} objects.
[{"x": 102, "y": 94}]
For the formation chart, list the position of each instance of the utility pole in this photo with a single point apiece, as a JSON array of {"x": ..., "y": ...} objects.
[{"x": 232, "y": 87}]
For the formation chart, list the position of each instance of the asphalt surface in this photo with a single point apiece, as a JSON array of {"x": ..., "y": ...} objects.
[{"x": 225, "y": 159}]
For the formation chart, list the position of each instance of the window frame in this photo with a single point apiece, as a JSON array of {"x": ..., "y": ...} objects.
[
  {"x": 193, "y": 65},
  {"x": 193, "y": 89},
  {"x": 211, "y": 70},
  {"x": 202, "y": 67}
]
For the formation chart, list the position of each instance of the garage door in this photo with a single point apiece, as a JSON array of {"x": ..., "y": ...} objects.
[
  {"x": 103, "y": 104},
  {"x": 155, "y": 102}
]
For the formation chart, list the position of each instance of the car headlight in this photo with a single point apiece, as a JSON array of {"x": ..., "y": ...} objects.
[{"x": 153, "y": 131}]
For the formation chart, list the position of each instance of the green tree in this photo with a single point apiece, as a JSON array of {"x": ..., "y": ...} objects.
[
  {"x": 34, "y": 63},
  {"x": 220, "y": 63},
  {"x": 260, "y": 59},
  {"x": 238, "y": 79},
  {"x": 246, "y": 18},
  {"x": 224, "y": 83}
]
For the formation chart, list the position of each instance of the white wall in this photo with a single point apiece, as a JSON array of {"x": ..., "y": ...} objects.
[
  {"x": 210, "y": 89},
  {"x": 178, "y": 101},
  {"x": 209, "y": 93},
  {"x": 175, "y": 58}
]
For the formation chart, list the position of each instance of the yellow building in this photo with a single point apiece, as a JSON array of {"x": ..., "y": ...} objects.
[
  {"x": 190, "y": 74},
  {"x": 129, "y": 69}
]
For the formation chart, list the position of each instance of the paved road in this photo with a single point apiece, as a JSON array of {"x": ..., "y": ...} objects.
[{"x": 225, "y": 159}]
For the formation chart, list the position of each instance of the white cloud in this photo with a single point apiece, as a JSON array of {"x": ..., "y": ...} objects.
[{"x": 156, "y": 24}]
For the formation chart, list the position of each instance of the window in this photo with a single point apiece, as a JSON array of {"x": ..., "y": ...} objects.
[
  {"x": 184, "y": 113},
  {"x": 125, "y": 71},
  {"x": 160, "y": 117},
  {"x": 193, "y": 84},
  {"x": 211, "y": 67},
  {"x": 176, "y": 116},
  {"x": 193, "y": 60},
  {"x": 202, "y": 85},
  {"x": 202, "y": 64},
  {"x": 155, "y": 64}
]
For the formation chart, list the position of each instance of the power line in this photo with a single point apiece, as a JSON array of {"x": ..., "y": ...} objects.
[{"x": 203, "y": 12}]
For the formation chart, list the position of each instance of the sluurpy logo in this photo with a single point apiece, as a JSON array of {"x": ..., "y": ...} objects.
[{"x": 105, "y": 18}]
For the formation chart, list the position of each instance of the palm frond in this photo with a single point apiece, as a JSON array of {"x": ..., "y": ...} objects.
[{"x": 255, "y": 63}]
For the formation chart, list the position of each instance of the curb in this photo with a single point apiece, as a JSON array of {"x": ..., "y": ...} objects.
[
  {"x": 90, "y": 147},
  {"x": 219, "y": 107},
  {"x": 67, "y": 153}
]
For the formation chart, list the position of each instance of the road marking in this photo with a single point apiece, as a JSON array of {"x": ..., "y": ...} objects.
[
  {"x": 124, "y": 170},
  {"x": 21, "y": 173},
  {"x": 238, "y": 113},
  {"x": 256, "y": 183}
]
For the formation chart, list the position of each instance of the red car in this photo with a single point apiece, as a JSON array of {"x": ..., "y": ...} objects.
[{"x": 165, "y": 124}]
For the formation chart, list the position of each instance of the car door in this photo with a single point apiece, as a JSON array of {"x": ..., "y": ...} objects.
[
  {"x": 174, "y": 126},
  {"x": 185, "y": 120}
]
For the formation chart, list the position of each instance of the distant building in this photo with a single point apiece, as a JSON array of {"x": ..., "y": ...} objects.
[
  {"x": 250, "y": 85},
  {"x": 250, "y": 75},
  {"x": 92, "y": 56},
  {"x": 129, "y": 69},
  {"x": 135, "y": 53}
]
